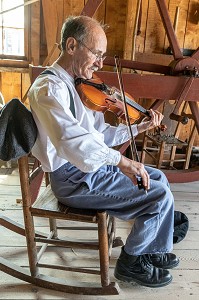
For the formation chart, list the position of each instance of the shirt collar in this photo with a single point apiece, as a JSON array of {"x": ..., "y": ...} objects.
[{"x": 63, "y": 74}]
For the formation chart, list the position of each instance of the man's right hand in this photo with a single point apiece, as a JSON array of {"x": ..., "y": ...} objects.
[{"x": 132, "y": 169}]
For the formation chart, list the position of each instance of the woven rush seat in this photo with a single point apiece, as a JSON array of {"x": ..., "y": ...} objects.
[{"x": 48, "y": 203}]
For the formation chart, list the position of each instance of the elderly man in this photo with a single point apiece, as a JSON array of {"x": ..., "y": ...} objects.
[{"x": 75, "y": 145}]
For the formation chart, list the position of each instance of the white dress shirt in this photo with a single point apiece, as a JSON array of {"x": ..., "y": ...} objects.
[{"x": 84, "y": 140}]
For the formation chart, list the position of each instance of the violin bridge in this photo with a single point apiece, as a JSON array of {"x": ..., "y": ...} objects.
[{"x": 112, "y": 91}]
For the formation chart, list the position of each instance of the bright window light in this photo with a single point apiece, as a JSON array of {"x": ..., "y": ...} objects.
[{"x": 12, "y": 28}]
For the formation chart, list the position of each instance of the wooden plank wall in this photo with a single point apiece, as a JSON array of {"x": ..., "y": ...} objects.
[{"x": 48, "y": 15}]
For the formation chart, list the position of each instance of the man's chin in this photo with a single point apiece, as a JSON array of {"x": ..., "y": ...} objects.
[{"x": 89, "y": 75}]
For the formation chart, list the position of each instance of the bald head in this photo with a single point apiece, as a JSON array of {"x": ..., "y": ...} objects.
[{"x": 81, "y": 28}]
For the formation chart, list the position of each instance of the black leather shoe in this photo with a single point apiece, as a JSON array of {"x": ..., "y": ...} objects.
[
  {"x": 139, "y": 269},
  {"x": 164, "y": 261}
]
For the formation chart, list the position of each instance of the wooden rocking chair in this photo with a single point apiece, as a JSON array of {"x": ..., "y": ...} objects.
[{"x": 46, "y": 206}]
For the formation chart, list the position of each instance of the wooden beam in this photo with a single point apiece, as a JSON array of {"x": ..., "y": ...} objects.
[
  {"x": 91, "y": 7},
  {"x": 15, "y": 7},
  {"x": 130, "y": 16},
  {"x": 153, "y": 86},
  {"x": 7, "y": 63}
]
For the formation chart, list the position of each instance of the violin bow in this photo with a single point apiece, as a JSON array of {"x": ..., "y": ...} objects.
[{"x": 133, "y": 147}]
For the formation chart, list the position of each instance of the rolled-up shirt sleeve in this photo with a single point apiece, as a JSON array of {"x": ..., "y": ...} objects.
[{"x": 114, "y": 135}]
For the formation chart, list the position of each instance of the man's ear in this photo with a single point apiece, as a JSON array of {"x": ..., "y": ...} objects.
[{"x": 71, "y": 44}]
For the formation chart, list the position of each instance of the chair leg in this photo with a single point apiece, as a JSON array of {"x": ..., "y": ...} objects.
[
  {"x": 189, "y": 147},
  {"x": 28, "y": 219},
  {"x": 172, "y": 156},
  {"x": 53, "y": 227},
  {"x": 113, "y": 240},
  {"x": 161, "y": 155},
  {"x": 144, "y": 145},
  {"x": 103, "y": 248}
]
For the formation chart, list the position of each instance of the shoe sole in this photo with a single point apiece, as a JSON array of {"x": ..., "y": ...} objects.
[{"x": 130, "y": 280}]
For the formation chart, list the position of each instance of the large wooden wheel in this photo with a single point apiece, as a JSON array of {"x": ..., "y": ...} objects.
[{"x": 180, "y": 83}]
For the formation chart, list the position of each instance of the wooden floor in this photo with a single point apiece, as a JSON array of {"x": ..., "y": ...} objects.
[{"x": 185, "y": 283}]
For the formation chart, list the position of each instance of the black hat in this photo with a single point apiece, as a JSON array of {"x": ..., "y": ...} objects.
[
  {"x": 18, "y": 131},
  {"x": 181, "y": 226}
]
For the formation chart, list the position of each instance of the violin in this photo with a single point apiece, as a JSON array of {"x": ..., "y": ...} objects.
[{"x": 98, "y": 96}]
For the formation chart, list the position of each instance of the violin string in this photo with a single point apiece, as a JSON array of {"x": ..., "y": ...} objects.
[
  {"x": 133, "y": 104},
  {"x": 121, "y": 84}
]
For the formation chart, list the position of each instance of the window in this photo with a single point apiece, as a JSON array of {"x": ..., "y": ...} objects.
[{"x": 12, "y": 29}]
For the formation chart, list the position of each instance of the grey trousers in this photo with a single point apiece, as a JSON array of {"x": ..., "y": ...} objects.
[{"x": 109, "y": 189}]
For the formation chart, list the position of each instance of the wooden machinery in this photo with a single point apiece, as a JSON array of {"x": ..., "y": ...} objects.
[{"x": 180, "y": 81}]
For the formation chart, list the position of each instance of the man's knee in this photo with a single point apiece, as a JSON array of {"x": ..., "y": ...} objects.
[
  {"x": 161, "y": 191},
  {"x": 157, "y": 175},
  {"x": 162, "y": 177},
  {"x": 168, "y": 197}
]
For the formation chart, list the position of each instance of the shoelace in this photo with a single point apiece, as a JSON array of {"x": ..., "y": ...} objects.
[
  {"x": 149, "y": 268},
  {"x": 146, "y": 263},
  {"x": 160, "y": 257}
]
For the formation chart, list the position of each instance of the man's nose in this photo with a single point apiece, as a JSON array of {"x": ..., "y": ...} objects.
[{"x": 99, "y": 63}]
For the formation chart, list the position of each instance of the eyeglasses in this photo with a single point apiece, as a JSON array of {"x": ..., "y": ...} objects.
[{"x": 97, "y": 55}]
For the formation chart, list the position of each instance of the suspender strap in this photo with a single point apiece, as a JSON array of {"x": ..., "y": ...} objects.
[{"x": 72, "y": 107}]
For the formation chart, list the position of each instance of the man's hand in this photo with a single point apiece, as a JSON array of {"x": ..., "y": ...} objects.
[
  {"x": 132, "y": 169},
  {"x": 155, "y": 120}
]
